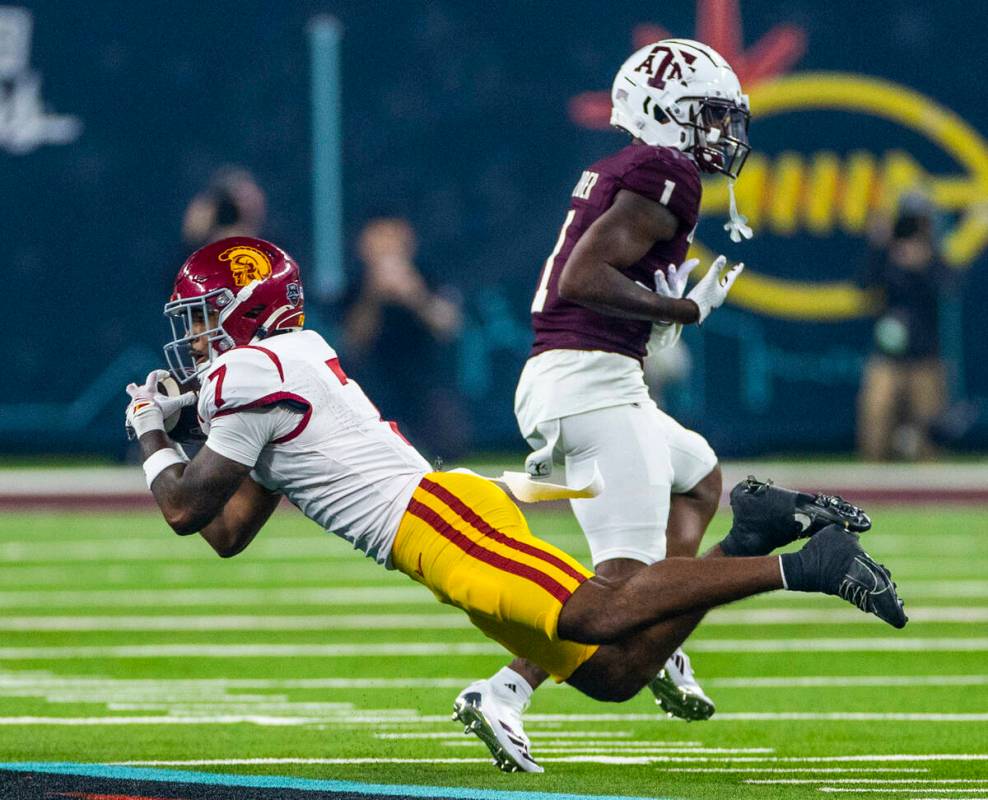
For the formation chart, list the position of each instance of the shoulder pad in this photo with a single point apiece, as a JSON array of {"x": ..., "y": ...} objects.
[
  {"x": 245, "y": 377},
  {"x": 669, "y": 177}
]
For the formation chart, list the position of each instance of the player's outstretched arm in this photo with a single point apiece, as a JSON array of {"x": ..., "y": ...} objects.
[
  {"x": 620, "y": 237},
  {"x": 192, "y": 495}
]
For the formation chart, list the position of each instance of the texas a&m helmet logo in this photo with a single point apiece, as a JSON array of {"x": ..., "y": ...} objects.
[
  {"x": 247, "y": 264},
  {"x": 663, "y": 64}
]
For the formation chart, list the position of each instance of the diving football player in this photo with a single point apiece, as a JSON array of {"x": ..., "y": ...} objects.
[{"x": 283, "y": 419}]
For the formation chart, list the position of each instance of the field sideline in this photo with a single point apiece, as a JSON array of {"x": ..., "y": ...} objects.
[{"x": 123, "y": 644}]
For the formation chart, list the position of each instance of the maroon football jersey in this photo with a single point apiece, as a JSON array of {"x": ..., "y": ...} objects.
[{"x": 662, "y": 174}]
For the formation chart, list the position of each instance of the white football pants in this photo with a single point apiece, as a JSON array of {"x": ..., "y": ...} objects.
[{"x": 644, "y": 456}]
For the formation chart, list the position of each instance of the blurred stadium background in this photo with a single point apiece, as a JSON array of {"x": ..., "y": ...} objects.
[{"x": 471, "y": 123}]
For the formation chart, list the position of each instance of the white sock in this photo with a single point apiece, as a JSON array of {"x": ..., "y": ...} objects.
[{"x": 512, "y": 686}]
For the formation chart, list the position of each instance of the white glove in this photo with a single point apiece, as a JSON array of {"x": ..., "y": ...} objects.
[
  {"x": 713, "y": 287},
  {"x": 672, "y": 283},
  {"x": 149, "y": 408}
]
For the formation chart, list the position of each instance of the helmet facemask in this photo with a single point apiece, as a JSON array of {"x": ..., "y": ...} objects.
[
  {"x": 190, "y": 319},
  {"x": 720, "y": 131}
]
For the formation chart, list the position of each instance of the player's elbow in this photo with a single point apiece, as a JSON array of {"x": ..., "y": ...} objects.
[
  {"x": 184, "y": 520},
  {"x": 183, "y": 523},
  {"x": 227, "y": 551},
  {"x": 571, "y": 288}
]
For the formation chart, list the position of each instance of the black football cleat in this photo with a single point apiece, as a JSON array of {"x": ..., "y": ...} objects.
[
  {"x": 833, "y": 562},
  {"x": 767, "y": 517}
]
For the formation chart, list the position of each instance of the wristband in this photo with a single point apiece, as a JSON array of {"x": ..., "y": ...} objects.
[
  {"x": 159, "y": 461},
  {"x": 147, "y": 418}
]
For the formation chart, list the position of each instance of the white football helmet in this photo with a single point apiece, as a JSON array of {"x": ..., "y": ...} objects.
[{"x": 683, "y": 94}]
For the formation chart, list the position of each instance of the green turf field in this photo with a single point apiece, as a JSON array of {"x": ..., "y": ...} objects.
[{"x": 122, "y": 643}]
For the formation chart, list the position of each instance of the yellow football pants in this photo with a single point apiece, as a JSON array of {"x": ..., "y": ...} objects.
[{"x": 467, "y": 541}]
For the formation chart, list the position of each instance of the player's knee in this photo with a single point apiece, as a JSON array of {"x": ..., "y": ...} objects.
[
  {"x": 591, "y": 615},
  {"x": 609, "y": 677}
]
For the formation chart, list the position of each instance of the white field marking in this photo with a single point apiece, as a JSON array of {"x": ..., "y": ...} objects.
[
  {"x": 342, "y": 650},
  {"x": 267, "y": 596},
  {"x": 643, "y": 751},
  {"x": 866, "y": 780},
  {"x": 912, "y": 790},
  {"x": 396, "y": 717},
  {"x": 844, "y": 681},
  {"x": 129, "y": 597},
  {"x": 117, "y": 721},
  {"x": 612, "y": 746},
  {"x": 12, "y": 684},
  {"x": 216, "y": 762},
  {"x": 850, "y": 716},
  {"x": 551, "y": 759},
  {"x": 435, "y": 621},
  {"x": 742, "y": 716},
  {"x": 862, "y": 645},
  {"x": 433, "y": 649},
  {"x": 799, "y": 770},
  {"x": 163, "y": 549},
  {"x": 44, "y": 681},
  {"x": 838, "y": 616},
  {"x": 242, "y": 622},
  {"x": 558, "y": 735}
]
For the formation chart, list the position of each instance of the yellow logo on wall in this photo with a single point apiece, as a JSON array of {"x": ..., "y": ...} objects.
[
  {"x": 247, "y": 264},
  {"x": 823, "y": 193}
]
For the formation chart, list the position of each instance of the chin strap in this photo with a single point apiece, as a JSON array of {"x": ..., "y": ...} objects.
[{"x": 737, "y": 226}]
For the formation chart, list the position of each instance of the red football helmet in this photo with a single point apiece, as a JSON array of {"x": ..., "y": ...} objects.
[{"x": 234, "y": 292}]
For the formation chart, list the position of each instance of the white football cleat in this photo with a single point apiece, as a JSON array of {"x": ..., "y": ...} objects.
[
  {"x": 497, "y": 724},
  {"x": 677, "y": 692}
]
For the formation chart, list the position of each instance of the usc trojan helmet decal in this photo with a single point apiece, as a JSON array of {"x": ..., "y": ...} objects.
[{"x": 247, "y": 264}]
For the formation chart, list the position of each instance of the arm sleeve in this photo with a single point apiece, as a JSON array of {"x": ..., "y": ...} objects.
[{"x": 242, "y": 436}]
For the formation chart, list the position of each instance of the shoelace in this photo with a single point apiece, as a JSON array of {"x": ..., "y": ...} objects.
[{"x": 854, "y": 593}]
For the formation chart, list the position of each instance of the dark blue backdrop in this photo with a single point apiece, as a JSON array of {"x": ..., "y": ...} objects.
[{"x": 456, "y": 117}]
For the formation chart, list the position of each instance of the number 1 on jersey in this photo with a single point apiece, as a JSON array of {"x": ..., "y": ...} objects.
[
  {"x": 667, "y": 192},
  {"x": 542, "y": 293}
]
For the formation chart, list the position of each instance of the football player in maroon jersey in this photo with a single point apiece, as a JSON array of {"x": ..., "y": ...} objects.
[{"x": 618, "y": 268}]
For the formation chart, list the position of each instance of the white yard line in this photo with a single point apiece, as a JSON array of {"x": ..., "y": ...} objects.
[
  {"x": 617, "y": 750},
  {"x": 430, "y": 735},
  {"x": 844, "y": 681},
  {"x": 551, "y": 759},
  {"x": 817, "y": 782},
  {"x": 440, "y": 620},
  {"x": 434, "y": 649},
  {"x": 320, "y": 622},
  {"x": 411, "y": 717},
  {"x": 171, "y": 687},
  {"x": 843, "y": 645},
  {"x": 838, "y": 616},
  {"x": 849, "y": 716},
  {"x": 166, "y": 549},
  {"x": 131, "y": 597},
  {"x": 205, "y": 650},
  {"x": 33, "y": 681},
  {"x": 913, "y": 790},
  {"x": 798, "y": 770},
  {"x": 216, "y": 762},
  {"x": 392, "y": 592}
]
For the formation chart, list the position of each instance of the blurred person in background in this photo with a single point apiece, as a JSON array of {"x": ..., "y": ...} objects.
[
  {"x": 231, "y": 205},
  {"x": 903, "y": 389},
  {"x": 398, "y": 335}
]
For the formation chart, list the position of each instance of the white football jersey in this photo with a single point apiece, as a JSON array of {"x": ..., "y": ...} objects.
[{"x": 344, "y": 466}]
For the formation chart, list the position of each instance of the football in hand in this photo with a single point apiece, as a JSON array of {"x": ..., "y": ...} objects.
[{"x": 183, "y": 425}]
